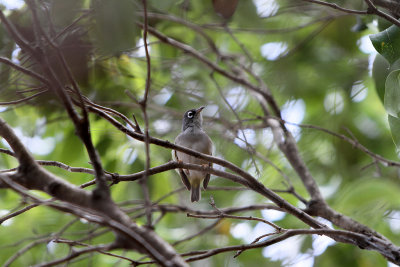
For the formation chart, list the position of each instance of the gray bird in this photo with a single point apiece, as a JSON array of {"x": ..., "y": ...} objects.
[{"x": 193, "y": 137}]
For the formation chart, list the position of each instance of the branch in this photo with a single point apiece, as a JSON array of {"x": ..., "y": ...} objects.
[
  {"x": 337, "y": 7},
  {"x": 102, "y": 251},
  {"x": 200, "y": 233},
  {"x": 249, "y": 182},
  {"x": 246, "y": 218},
  {"x": 287, "y": 145},
  {"x": 143, "y": 105},
  {"x": 374, "y": 10},
  {"x": 23, "y": 99},
  {"x": 81, "y": 203},
  {"x": 353, "y": 142},
  {"x": 265, "y": 94},
  {"x": 24, "y": 70},
  {"x": 53, "y": 82},
  {"x": 335, "y": 234},
  {"x": 391, "y": 5},
  {"x": 317, "y": 206},
  {"x": 41, "y": 240},
  {"x": 228, "y": 210},
  {"x": 75, "y": 254}
]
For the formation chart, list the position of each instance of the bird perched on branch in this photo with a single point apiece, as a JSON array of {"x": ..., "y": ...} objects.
[{"x": 193, "y": 137}]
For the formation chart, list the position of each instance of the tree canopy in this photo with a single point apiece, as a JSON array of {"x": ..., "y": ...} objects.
[{"x": 301, "y": 101}]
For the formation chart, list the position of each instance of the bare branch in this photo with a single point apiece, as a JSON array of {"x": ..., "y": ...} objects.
[
  {"x": 24, "y": 70},
  {"x": 246, "y": 218},
  {"x": 373, "y": 9},
  {"x": 26, "y": 99},
  {"x": 102, "y": 211},
  {"x": 240, "y": 80},
  {"x": 344, "y": 235},
  {"x": 75, "y": 254},
  {"x": 337, "y": 7},
  {"x": 143, "y": 105}
]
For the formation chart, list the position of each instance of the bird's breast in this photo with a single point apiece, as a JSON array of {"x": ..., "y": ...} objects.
[{"x": 197, "y": 141}]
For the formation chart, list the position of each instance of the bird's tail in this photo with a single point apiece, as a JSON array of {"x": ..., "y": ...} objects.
[{"x": 195, "y": 193}]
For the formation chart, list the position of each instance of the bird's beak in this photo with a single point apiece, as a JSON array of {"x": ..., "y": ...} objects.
[{"x": 200, "y": 109}]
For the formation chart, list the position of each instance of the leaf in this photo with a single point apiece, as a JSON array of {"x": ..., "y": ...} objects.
[
  {"x": 392, "y": 94},
  {"x": 380, "y": 71},
  {"x": 387, "y": 43},
  {"x": 116, "y": 28},
  {"x": 394, "y": 124}
]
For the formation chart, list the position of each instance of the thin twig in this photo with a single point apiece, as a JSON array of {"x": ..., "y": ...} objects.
[
  {"x": 240, "y": 80},
  {"x": 200, "y": 233},
  {"x": 237, "y": 254},
  {"x": 247, "y": 218},
  {"x": 240, "y": 122},
  {"x": 337, "y": 7},
  {"x": 353, "y": 142},
  {"x": 24, "y": 70},
  {"x": 82, "y": 124},
  {"x": 346, "y": 235},
  {"x": 26, "y": 99},
  {"x": 143, "y": 105}
]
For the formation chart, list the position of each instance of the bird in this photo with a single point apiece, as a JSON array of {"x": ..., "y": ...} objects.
[{"x": 194, "y": 137}]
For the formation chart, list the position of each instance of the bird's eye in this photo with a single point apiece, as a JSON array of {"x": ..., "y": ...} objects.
[{"x": 190, "y": 114}]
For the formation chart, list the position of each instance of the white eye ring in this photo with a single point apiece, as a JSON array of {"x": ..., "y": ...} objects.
[{"x": 190, "y": 114}]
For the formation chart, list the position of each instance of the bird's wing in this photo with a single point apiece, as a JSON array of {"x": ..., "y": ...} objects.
[
  {"x": 184, "y": 178},
  {"x": 207, "y": 178},
  {"x": 209, "y": 151}
]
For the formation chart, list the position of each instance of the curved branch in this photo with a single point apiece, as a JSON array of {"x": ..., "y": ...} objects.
[
  {"x": 82, "y": 204},
  {"x": 24, "y": 70},
  {"x": 359, "y": 238},
  {"x": 249, "y": 181},
  {"x": 337, "y": 7},
  {"x": 374, "y": 10},
  {"x": 265, "y": 94}
]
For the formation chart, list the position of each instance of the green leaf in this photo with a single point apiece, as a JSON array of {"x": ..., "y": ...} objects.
[
  {"x": 394, "y": 124},
  {"x": 392, "y": 94},
  {"x": 387, "y": 43},
  {"x": 116, "y": 28},
  {"x": 380, "y": 71}
]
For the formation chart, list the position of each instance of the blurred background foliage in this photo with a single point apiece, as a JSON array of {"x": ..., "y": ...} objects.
[{"x": 319, "y": 65}]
